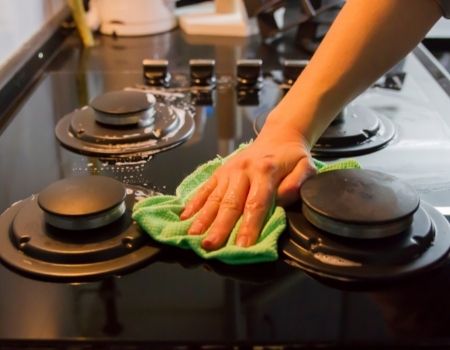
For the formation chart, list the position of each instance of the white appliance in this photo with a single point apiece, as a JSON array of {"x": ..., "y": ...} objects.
[
  {"x": 218, "y": 18},
  {"x": 133, "y": 17}
]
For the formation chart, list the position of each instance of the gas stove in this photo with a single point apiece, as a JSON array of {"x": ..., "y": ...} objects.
[{"x": 170, "y": 297}]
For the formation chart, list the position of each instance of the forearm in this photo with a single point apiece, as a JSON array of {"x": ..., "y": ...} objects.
[{"x": 366, "y": 39}]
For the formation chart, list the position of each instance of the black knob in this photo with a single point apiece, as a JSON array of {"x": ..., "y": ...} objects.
[
  {"x": 248, "y": 97},
  {"x": 394, "y": 81},
  {"x": 156, "y": 72},
  {"x": 202, "y": 72},
  {"x": 249, "y": 73},
  {"x": 292, "y": 69},
  {"x": 202, "y": 98}
]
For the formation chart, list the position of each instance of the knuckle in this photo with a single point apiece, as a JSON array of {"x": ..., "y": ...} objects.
[
  {"x": 200, "y": 221},
  {"x": 254, "y": 204},
  {"x": 214, "y": 198},
  {"x": 266, "y": 165},
  {"x": 241, "y": 164},
  {"x": 205, "y": 189},
  {"x": 231, "y": 204}
]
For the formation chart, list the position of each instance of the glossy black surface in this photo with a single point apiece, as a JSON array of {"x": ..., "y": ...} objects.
[{"x": 179, "y": 299}]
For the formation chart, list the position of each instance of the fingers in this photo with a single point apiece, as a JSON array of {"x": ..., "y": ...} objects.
[
  {"x": 197, "y": 201},
  {"x": 229, "y": 212},
  {"x": 245, "y": 187},
  {"x": 288, "y": 190},
  {"x": 258, "y": 203},
  {"x": 209, "y": 210}
]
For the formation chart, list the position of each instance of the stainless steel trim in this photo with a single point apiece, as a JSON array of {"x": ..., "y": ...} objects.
[
  {"x": 145, "y": 118},
  {"x": 90, "y": 222},
  {"x": 201, "y": 61},
  {"x": 154, "y": 62},
  {"x": 434, "y": 67},
  {"x": 358, "y": 231},
  {"x": 249, "y": 61}
]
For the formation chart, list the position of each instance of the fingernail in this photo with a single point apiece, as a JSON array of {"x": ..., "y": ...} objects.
[
  {"x": 243, "y": 241},
  {"x": 195, "y": 229},
  {"x": 184, "y": 214},
  {"x": 208, "y": 244}
]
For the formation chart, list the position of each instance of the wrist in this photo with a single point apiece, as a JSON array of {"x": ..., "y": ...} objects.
[{"x": 279, "y": 130}]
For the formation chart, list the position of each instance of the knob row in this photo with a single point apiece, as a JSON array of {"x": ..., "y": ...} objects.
[{"x": 249, "y": 72}]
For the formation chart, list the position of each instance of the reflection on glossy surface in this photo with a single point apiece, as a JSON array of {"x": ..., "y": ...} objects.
[{"x": 419, "y": 308}]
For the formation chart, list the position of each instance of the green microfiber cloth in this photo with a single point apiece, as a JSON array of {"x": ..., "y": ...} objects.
[{"x": 159, "y": 217}]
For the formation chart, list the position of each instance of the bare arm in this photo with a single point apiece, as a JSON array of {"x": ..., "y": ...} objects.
[{"x": 367, "y": 38}]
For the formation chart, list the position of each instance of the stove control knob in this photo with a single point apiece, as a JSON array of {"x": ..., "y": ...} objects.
[
  {"x": 249, "y": 73},
  {"x": 248, "y": 97},
  {"x": 156, "y": 72},
  {"x": 394, "y": 81},
  {"x": 292, "y": 69},
  {"x": 202, "y": 72}
]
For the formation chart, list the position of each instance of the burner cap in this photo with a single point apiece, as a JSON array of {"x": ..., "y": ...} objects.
[
  {"x": 359, "y": 203},
  {"x": 357, "y": 130},
  {"x": 362, "y": 225},
  {"x": 121, "y": 102},
  {"x": 84, "y": 202},
  {"x": 123, "y": 108},
  {"x": 353, "y": 126},
  {"x": 47, "y": 237},
  {"x": 123, "y": 124}
]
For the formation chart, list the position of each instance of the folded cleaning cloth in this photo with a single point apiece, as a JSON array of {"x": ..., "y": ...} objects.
[{"x": 159, "y": 217}]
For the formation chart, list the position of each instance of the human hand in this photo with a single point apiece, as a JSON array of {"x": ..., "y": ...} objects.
[{"x": 272, "y": 167}]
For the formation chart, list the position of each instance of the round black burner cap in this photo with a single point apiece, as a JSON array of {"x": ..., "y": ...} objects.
[
  {"x": 121, "y": 102},
  {"x": 359, "y": 203},
  {"x": 81, "y": 196}
]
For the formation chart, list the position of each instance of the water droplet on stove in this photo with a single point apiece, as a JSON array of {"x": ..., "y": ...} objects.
[
  {"x": 127, "y": 242},
  {"x": 23, "y": 241}
]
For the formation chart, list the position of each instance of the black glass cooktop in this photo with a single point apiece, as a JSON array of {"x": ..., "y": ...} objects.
[{"x": 178, "y": 299}]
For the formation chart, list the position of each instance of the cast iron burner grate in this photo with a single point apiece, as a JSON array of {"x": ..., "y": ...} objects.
[
  {"x": 76, "y": 229},
  {"x": 357, "y": 130},
  {"x": 362, "y": 225},
  {"x": 123, "y": 124}
]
